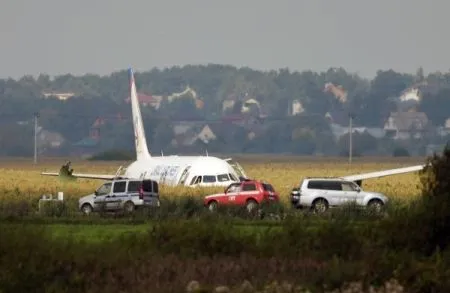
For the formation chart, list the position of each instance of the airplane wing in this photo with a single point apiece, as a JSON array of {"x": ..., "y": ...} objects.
[
  {"x": 82, "y": 175},
  {"x": 67, "y": 173},
  {"x": 377, "y": 174}
]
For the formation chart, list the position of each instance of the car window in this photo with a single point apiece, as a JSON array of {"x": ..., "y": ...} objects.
[
  {"x": 249, "y": 187},
  {"x": 104, "y": 189},
  {"x": 236, "y": 187},
  {"x": 267, "y": 187},
  {"x": 155, "y": 187},
  {"x": 119, "y": 186},
  {"x": 133, "y": 186},
  {"x": 315, "y": 185},
  {"x": 209, "y": 178},
  {"x": 147, "y": 185},
  {"x": 332, "y": 185},
  {"x": 222, "y": 177},
  {"x": 324, "y": 185},
  {"x": 347, "y": 186}
]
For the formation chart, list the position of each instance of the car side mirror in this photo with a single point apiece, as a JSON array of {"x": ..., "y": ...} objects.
[{"x": 358, "y": 189}]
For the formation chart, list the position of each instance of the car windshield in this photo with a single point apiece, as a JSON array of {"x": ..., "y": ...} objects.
[{"x": 104, "y": 189}]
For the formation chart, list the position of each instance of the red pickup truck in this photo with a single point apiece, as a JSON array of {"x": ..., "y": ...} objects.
[{"x": 248, "y": 193}]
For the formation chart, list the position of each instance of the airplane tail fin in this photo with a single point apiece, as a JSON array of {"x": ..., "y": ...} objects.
[{"x": 138, "y": 126}]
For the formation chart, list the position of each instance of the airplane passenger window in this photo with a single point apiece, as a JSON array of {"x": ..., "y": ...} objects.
[
  {"x": 104, "y": 189},
  {"x": 209, "y": 178},
  {"x": 119, "y": 186},
  {"x": 222, "y": 178}
]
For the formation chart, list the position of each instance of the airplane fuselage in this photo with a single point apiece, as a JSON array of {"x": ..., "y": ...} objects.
[{"x": 184, "y": 170}]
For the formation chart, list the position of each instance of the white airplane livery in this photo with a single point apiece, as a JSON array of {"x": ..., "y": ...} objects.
[
  {"x": 192, "y": 171},
  {"x": 169, "y": 170}
]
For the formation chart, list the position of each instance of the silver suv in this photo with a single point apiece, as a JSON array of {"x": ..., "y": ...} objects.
[
  {"x": 124, "y": 194},
  {"x": 319, "y": 194}
]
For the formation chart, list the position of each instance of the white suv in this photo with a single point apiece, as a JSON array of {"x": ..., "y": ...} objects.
[
  {"x": 122, "y": 194},
  {"x": 320, "y": 194}
]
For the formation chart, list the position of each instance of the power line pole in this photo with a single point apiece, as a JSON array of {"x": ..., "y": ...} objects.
[
  {"x": 36, "y": 116},
  {"x": 350, "y": 132}
]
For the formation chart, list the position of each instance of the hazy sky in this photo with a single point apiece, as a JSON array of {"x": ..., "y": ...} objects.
[{"x": 93, "y": 36}]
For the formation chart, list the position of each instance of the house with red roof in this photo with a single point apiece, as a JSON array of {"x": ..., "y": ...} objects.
[{"x": 147, "y": 100}]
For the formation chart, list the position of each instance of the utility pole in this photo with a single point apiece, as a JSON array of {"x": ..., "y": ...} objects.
[
  {"x": 36, "y": 116},
  {"x": 350, "y": 133}
]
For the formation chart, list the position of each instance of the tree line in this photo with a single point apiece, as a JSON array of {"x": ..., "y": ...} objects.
[{"x": 370, "y": 101}]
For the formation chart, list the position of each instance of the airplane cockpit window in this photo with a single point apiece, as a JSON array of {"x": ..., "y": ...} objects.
[
  {"x": 237, "y": 168},
  {"x": 209, "y": 178},
  {"x": 198, "y": 180},
  {"x": 232, "y": 177},
  {"x": 222, "y": 178},
  {"x": 104, "y": 189}
]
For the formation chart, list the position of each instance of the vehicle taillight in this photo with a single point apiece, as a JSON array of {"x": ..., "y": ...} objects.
[{"x": 141, "y": 192}]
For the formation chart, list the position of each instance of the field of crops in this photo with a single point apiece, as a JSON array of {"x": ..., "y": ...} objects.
[
  {"x": 185, "y": 245},
  {"x": 21, "y": 179}
]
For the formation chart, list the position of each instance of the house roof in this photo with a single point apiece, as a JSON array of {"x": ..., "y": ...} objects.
[
  {"x": 143, "y": 98},
  {"x": 404, "y": 121}
]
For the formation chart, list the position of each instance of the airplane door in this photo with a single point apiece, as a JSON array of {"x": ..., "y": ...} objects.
[
  {"x": 164, "y": 172},
  {"x": 184, "y": 176}
]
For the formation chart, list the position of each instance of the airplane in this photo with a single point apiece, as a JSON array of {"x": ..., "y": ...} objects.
[{"x": 193, "y": 171}]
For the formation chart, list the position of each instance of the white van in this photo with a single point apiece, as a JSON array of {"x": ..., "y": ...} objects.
[{"x": 122, "y": 194}]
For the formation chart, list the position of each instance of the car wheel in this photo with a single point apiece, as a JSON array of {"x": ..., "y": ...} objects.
[
  {"x": 376, "y": 205},
  {"x": 251, "y": 205},
  {"x": 128, "y": 207},
  {"x": 212, "y": 206},
  {"x": 86, "y": 209},
  {"x": 320, "y": 206}
]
